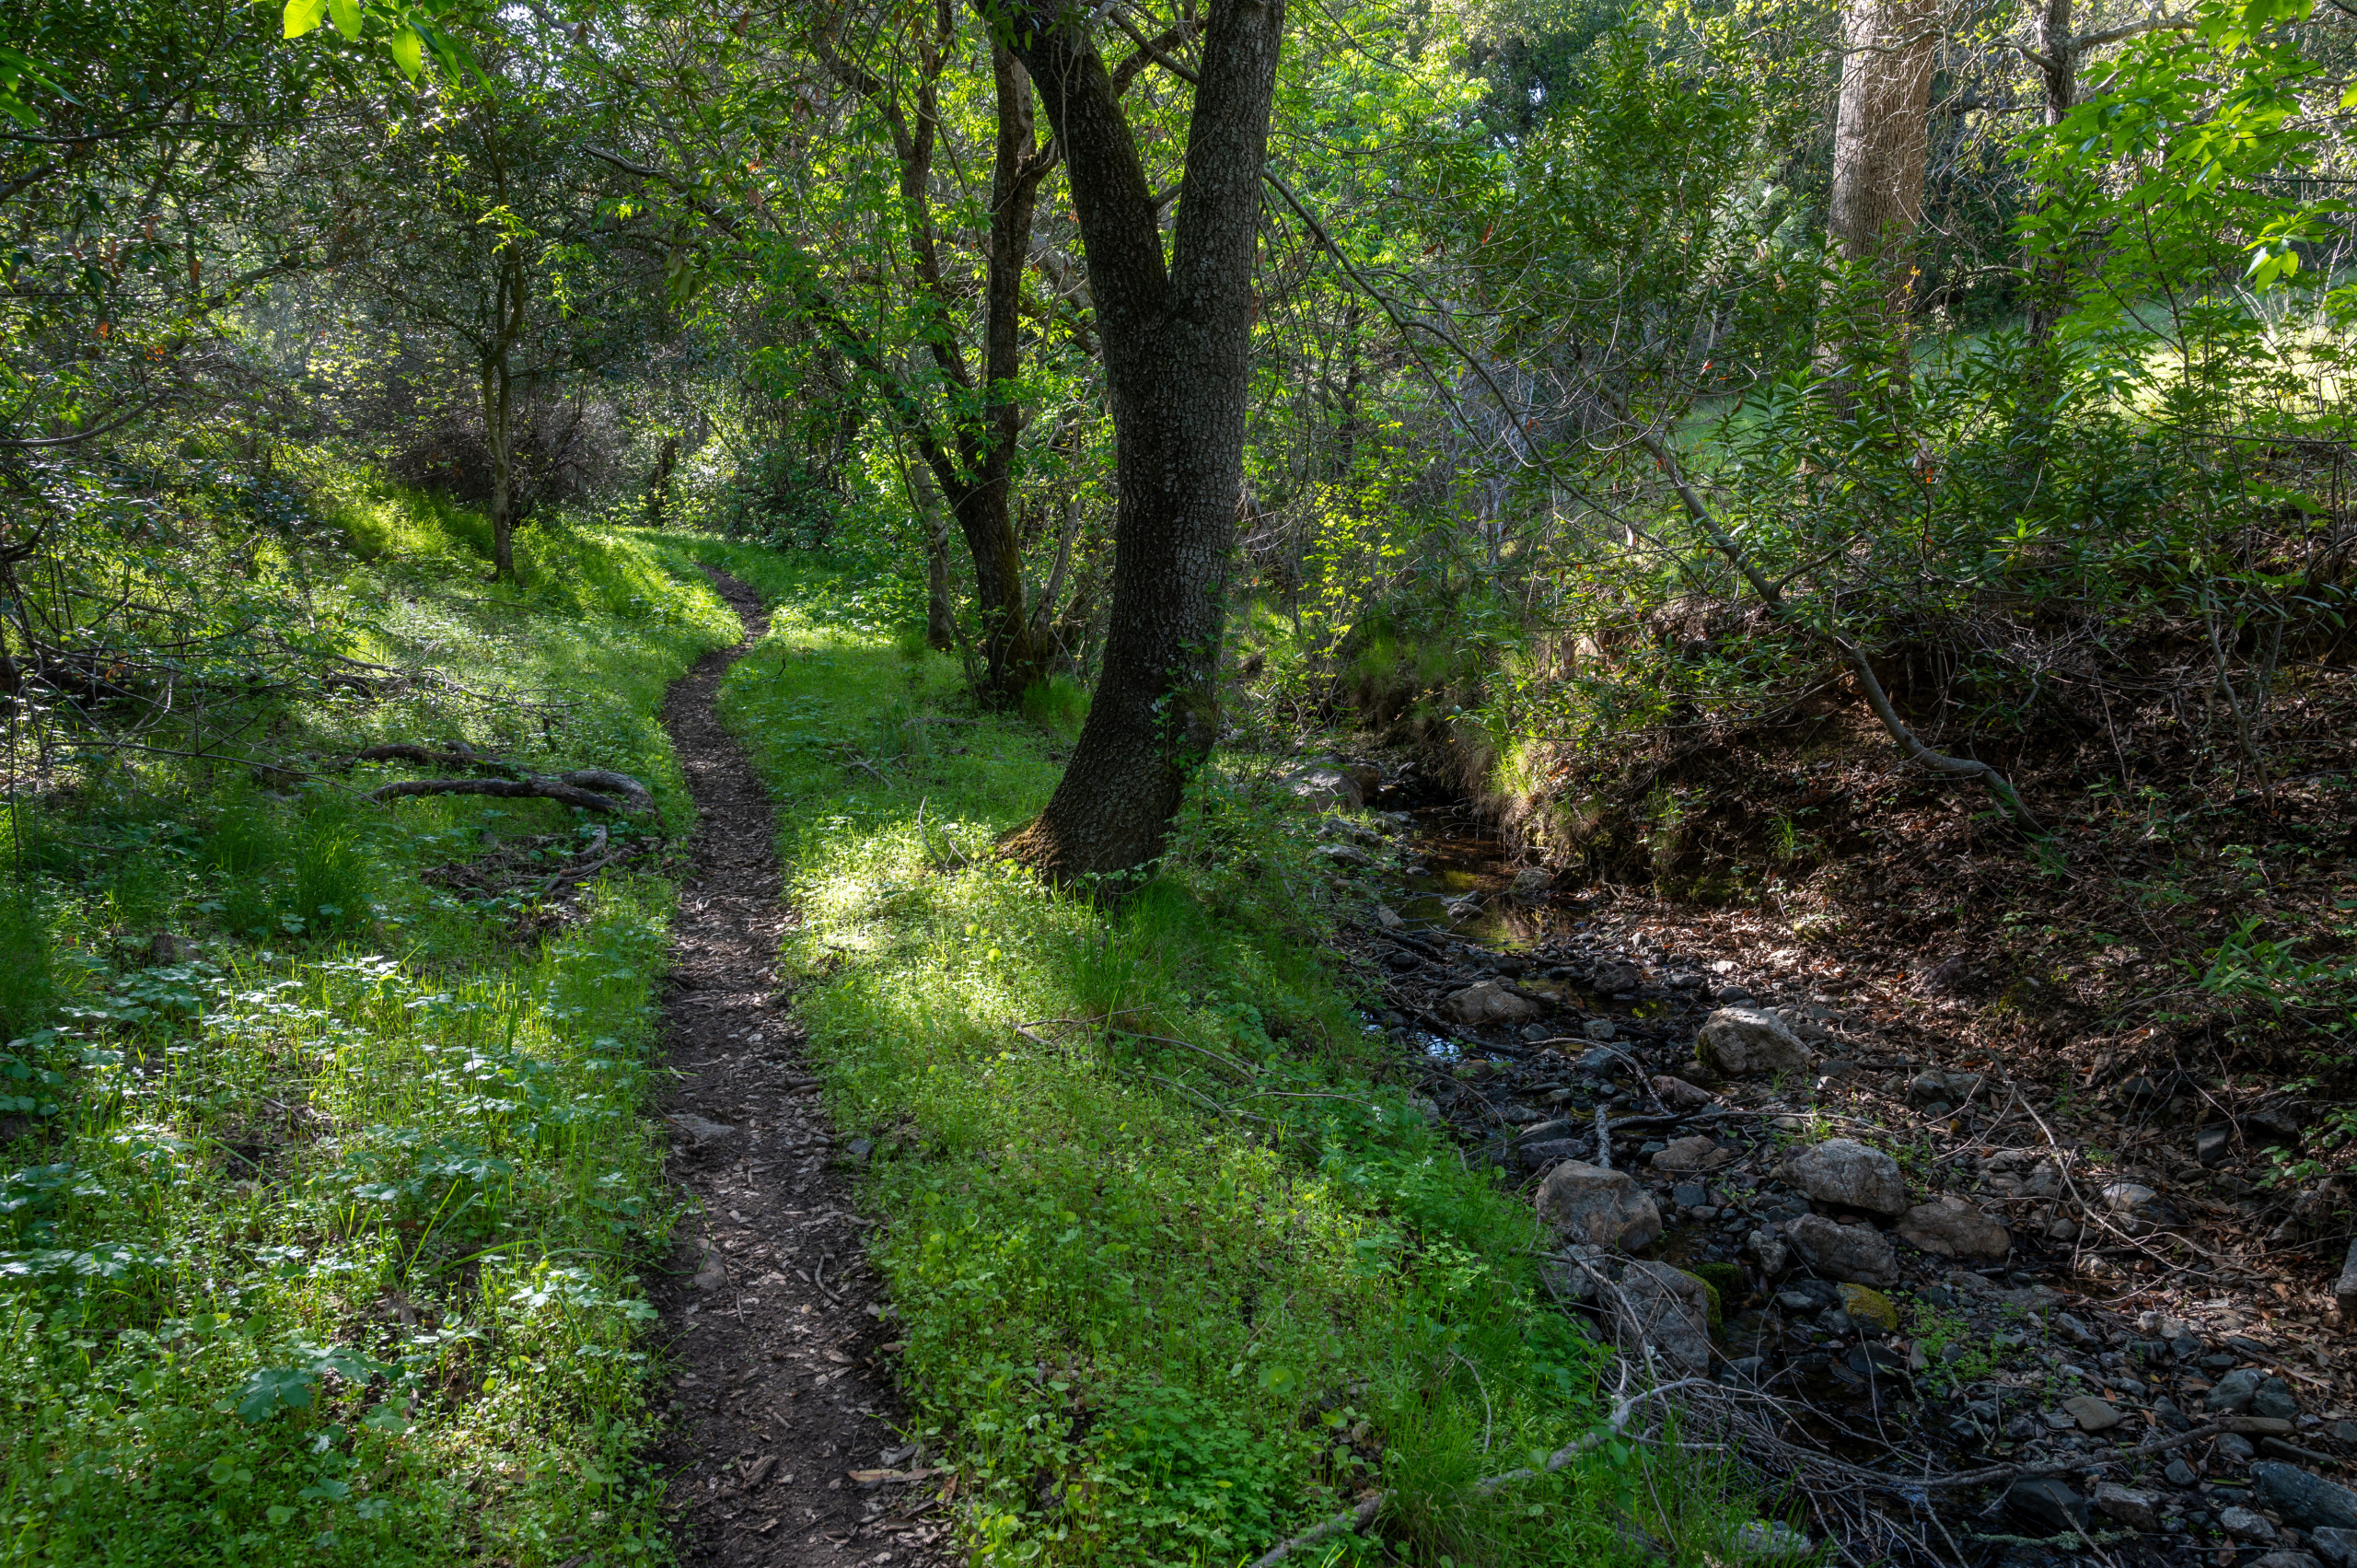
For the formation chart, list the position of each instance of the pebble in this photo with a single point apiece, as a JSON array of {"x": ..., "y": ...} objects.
[
  {"x": 2126, "y": 1505},
  {"x": 2049, "y": 1506},
  {"x": 2091, "y": 1414},
  {"x": 2243, "y": 1525}
]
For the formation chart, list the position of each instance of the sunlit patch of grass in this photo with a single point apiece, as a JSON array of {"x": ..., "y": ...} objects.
[
  {"x": 1178, "y": 1266},
  {"x": 321, "y": 1238}
]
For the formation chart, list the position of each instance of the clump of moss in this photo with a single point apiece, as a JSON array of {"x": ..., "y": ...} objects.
[{"x": 1721, "y": 1280}]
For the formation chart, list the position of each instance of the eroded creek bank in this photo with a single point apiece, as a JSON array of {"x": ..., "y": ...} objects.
[{"x": 1965, "y": 1312}]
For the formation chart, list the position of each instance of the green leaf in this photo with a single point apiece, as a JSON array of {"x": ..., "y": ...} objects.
[
  {"x": 301, "y": 16},
  {"x": 275, "y": 1388},
  {"x": 348, "y": 18},
  {"x": 408, "y": 52}
]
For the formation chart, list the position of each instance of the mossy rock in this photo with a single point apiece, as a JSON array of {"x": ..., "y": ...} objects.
[
  {"x": 1872, "y": 1305},
  {"x": 1712, "y": 1278}
]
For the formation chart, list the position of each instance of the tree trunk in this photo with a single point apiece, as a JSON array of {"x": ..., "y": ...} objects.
[
  {"x": 985, "y": 507},
  {"x": 497, "y": 405},
  {"x": 1881, "y": 140},
  {"x": 1176, "y": 345},
  {"x": 499, "y": 410},
  {"x": 2058, "y": 69},
  {"x": 1882, "y": 137},
  {"x": 940, "y": 617},
  {"x": 658, "y": 483},
  {"x": 976, "y": 476}
]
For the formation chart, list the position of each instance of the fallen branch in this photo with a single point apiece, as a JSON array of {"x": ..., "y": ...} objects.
[
  {"x": 570, "y": 789},
  {"x": 591, "y": 789},
  {"x": 1877, "y": 698}
]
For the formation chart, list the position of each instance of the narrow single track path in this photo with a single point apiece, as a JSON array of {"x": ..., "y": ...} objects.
[{"x": 779, "y": 1388}]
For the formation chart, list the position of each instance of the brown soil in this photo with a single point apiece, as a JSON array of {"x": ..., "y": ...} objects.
[{"x": 779, "y": 1389}]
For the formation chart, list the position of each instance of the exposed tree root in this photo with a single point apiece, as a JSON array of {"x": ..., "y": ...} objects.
[{"x": 592, "y": 789}]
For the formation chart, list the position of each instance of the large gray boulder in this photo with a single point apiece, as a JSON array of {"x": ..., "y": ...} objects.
[
  {"x": 1590, "y": 1205},
  {"x": 1486, "y": 1006},
  {"x": 1844, "y": 1172},
  {"x": 1854, "y": 1254},
  {"x": 1668, "y": 1309},
  {"x": 1742, "y": 1041},
  {"x": 1954, "y": 1229},
  {"x": 1326, "y": 785},
  {"x": 2308, "y": 1501}
]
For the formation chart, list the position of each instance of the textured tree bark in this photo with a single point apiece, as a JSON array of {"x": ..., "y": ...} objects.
[
  {"x": 1881, "y": 136},
  {"x": 2058, "y": 69},
  {"x": 1881, "y": 140},
  {"x": 1176, "y": 340}
]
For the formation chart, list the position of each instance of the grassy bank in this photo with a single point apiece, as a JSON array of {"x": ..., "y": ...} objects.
[
  {"x": 1180, "y": 1265},
  {"x": 328, "y": 1185}
]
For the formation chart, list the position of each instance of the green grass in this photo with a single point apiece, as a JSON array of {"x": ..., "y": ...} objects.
[
  {"x": 323, "y": 1243},
  {"x": 1163, "y": 1302}
]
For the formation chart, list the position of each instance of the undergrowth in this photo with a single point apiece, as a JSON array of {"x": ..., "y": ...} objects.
[
  {"x": 327, "y": 1192},
  {"x": 1180, "y": 1266}
]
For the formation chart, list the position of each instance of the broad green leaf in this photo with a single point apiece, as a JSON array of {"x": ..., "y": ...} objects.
[
  {"x": 408, "y": 52},
  {"x": 301, "y": 16},
  {"x": 348, "y": 18}
]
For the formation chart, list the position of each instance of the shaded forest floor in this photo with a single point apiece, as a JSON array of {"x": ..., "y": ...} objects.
[{"x": 2125, "y": 1047}]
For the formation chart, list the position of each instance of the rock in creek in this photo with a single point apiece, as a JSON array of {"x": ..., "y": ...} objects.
[
  {"x": 1611, "y": 978},
  {"x": 2126, "y": 1505},
  {"x": 1679, "y": 1094},
  {"x": 1697, "y": 1153},
  {"x": 2336, "y": 1547},
  {"x": 1600, "y": 1208},
  {"x": 1936, "y": 1093},
  {"x": 1846, "y": 1173},
  {"x": 1326, "y": 785},
  {"x": 2048, "y": 1507},
  {"x": 1856, "y": 1254},
  {"x": 2308, "y": 1501},
  {"x": 1670, "y": 1310},
  {"x": 1487, "y": 1004},
  {"x": 1738, "y": 1041},
  {"x": 1953, "y": 1229}
]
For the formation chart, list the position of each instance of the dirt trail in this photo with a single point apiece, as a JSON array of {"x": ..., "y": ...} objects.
[{"x": 778, "y": 1387}]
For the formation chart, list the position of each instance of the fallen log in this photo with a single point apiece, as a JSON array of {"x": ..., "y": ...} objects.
[
  {"x": 511, "y": 789},
  {"x": 592, "y": 789}
]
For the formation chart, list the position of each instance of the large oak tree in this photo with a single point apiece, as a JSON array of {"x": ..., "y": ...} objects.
[{"x": 1175, "y": 331}]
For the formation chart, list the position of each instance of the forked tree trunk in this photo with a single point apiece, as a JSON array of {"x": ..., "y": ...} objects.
[{"x": 1175, "y": 342}]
